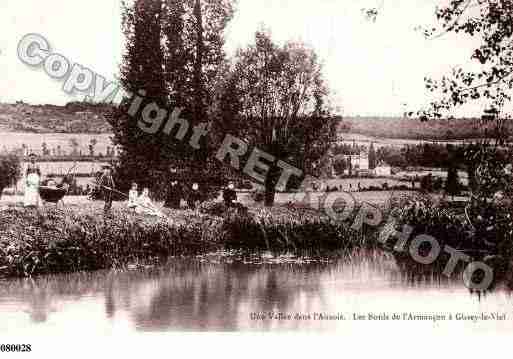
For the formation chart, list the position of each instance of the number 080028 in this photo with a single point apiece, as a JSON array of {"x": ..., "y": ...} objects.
[{"x": 13, "y": 348}]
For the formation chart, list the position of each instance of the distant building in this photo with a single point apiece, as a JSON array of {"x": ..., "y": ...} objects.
[{"x": 359, "y": 162}]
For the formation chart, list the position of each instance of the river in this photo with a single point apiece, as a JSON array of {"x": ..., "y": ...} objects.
[{"x": 206, "y": 294}]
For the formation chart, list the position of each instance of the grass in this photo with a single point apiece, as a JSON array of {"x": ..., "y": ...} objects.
[
  {"x": 55, "y": 241},
  {"x": 79, "y": 238}
]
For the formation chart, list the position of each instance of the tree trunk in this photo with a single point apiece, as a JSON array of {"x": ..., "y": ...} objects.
[
  {"x": 270, "y": 194},
  {"x": 198, "y": 64}
]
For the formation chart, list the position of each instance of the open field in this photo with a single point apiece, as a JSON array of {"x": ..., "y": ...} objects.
[
  {"x": 72, "y": 118},
  {"x": 34, "y": 141}
]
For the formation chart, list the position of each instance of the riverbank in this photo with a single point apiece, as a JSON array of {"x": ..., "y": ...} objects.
[{"x": 76, "y": 239}]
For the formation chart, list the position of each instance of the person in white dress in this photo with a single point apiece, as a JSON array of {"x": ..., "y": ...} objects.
[
  {"x": 32, "y": 182},
  {"x": 133, "y": 197}
]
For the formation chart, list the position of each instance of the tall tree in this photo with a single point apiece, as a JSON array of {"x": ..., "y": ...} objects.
[
  {"x": 144, "y": 58},
  {"x": 372, "y": 157},
  {"x": 176, "y": 56},
  {"x": 10, "y": 171},
  {"x": 278, "y": 102},
  {"x": 490, "y": 23},
  {"x": 452, "y": 184},
  {"x": 73, "y": 143},
  {"x": 194, "y": 33},
  {"x": 174, "y": 53},
  {"x": 141, "y": 70},
  {"x": 195, "y": 64},
  {"x": 490, "y": 83}
]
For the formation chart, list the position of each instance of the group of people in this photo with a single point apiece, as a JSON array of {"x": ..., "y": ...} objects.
[
  {"x": 34, "y": 185},
  {"x": 178, "y": 191},
  {"x": 142, "y": 203}
]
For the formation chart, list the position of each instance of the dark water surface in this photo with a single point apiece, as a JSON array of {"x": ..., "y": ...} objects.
[{"x": 199, "y": 294}]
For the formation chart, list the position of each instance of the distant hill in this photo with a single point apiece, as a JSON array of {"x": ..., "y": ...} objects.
[
  {"x": 75, "y": 117},
  {"x": 405, "y": 128},
  {"x": 80, "y": 117}
]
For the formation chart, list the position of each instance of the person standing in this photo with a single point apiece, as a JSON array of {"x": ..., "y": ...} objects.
[
  {"x": 229, "y": 195},
  {"x": 133, "y": 196},
  {"x": 174, "y": 194},
  {"x": 32, "y": 182},
  {"x": 194, "y": 196},
  {"x": 107, "y": 185}
]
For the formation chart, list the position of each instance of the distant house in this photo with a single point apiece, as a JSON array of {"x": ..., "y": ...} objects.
[
  {"x": 383, "y": 170},
  {"x": 364, "y": 173},
  {"x": 358, "y": 162}
]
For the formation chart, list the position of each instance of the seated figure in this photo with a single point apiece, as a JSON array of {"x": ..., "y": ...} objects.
[{"x": 146, "y": 206}]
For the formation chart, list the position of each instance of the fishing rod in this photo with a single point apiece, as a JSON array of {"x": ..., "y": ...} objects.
[{"x": 142, "y": 205}]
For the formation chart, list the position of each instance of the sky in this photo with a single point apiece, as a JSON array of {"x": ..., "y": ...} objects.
[{"x": 372, "y": 68}]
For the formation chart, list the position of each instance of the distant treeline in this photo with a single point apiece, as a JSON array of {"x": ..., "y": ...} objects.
[
  {"x": 429, "y": 155},
  {"x": 84, "y": 117},
  {"x": 414, "y": 129}
]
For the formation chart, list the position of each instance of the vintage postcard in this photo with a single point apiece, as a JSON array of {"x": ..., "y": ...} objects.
[{"x": 289, "y": 167}]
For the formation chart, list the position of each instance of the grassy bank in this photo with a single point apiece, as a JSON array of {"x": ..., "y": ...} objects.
[
  {"x": 76, "y": 239},
  {"x": 55, "y": 241},
  {"x": 79, "y": 238}
]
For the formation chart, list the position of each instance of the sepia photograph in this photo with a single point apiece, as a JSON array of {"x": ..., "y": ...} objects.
[{"x": 183, "y": 171}]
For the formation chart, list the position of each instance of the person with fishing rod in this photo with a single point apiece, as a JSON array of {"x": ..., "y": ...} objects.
[{"x": 106, "y": 186}]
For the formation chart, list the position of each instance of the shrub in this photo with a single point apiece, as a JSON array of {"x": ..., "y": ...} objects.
[
  {"x": 10, "y": 171},
  {"x": 56, "y": 242},
  {"x": 426, "y": 183},
  {"x": 452, "y": 184},
  {"x": 214, "y": 208},
  {"x": 299, "y": 231}
]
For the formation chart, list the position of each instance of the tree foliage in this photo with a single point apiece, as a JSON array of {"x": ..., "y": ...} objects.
[
  {"x": 174, "y": 53},
  {"x": 10, "y": 170},
  {"x": 141, "y": 70},
  {"x": 275, "y": 98},
  {"x": 452, "y": 184},
  {"x": 490, "y": 22},
  {"x": 372, "y": 157}
]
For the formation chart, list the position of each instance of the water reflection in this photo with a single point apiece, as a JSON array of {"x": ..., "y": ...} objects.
[{"x": 190, "y": 295}]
